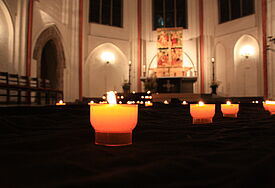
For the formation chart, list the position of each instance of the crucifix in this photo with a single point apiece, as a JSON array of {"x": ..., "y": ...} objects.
[{"x": 168, "y": 85}]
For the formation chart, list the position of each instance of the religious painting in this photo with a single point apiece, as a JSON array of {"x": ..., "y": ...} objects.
[
  {"x": 163, "y": 58},
  {"x": 169, "y": 44},
  {"x": 163, "y": 39},
  {"x": 176, "y": 39},
  {"x": 176, "y": 55}
]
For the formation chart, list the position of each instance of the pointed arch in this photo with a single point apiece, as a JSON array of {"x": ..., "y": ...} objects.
[
  {"x": 247, "y": 69},
  {"x": 100, "y": 77},
  {"x": 51, "y": 34},
  {"x": 6, "y": 39}
]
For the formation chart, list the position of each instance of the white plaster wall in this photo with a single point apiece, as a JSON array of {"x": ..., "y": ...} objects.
[
  {"x": 190, "y": 37},
  {"x": 6, "y": 39},
  {"x": 117, "y": 40},
  {"x": 227, "y": 34},
  {"x": 64, "y": 15},
  {"x": 271, "y": 53}
]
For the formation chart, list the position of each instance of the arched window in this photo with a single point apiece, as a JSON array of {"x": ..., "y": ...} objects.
[
  {"x": 233, "y": 9},
  {"x": 169, "y": 13},
  {"x": 107, "y": 12}
]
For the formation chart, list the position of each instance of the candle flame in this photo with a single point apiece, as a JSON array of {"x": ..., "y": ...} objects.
[
  {"x": 111, "y": 97},
  {"x": 201, "y": 103},
  {"x": 60, "y": 102},
  {"x": 269, "y": 102},
  {"x": 184, "y": 102},
  {"x": 228, "y": 102}
]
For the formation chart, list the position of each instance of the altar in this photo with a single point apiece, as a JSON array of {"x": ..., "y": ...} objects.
[{"x": 175, "y": 84}]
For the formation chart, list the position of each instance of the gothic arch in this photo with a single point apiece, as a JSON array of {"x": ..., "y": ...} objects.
[
  {"x": 99, "y": 77},
  {"x": 247, "y": 69},
  {"x": 51, "y": 34},
  {"x": 6, "y": 39}
]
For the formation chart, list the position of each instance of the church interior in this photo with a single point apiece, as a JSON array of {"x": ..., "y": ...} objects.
[{"x": 192, "y": 83}]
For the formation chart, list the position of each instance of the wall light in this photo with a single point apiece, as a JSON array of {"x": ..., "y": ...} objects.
[
  {"x": 247, "y": 51},
  {"x": 107, "y": 57}
]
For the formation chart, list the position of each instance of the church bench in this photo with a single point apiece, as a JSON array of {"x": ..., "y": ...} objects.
[{"x": 30, "y": 88}]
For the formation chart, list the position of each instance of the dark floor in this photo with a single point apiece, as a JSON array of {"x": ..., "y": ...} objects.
[{"x": 54, "y": 147}]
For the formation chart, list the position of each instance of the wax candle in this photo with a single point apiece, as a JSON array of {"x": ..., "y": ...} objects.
[
  {"x": 60, "y": 103},
  {"x": 165, "y": 102},
  {"x": 269, "y": 106},
  {"x": 230, "y": 110},
  {"x": 202, "y": 113},
  {"x": 113, "y": 123},
  {"x": 184, "y": 103},
  {"x": 148, "y": 103}
]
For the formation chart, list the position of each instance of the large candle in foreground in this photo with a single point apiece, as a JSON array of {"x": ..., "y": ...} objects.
[
  {"x": 230, "y": 110},
  {"x": 202, "y": 113},
  {"x": 113, "y": 123},
  {"x": 270, "y": 106}
]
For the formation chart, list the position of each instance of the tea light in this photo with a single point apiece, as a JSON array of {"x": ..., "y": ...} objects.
[
  {"x": 184, "y": 103},
  {"x": 91, "y": 102},
  {"x": 113, "y": 123},
  {"x": 60, "y": 103},
  {"x": 165, "y": 102},
  {"x": 230, "y": 110},
  {"x": 202, "y": 113},
  {"x": 148, "y": 103},
  {"x": 270, "y": 106}
]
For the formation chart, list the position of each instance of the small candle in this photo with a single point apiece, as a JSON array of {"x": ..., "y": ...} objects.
[
  {"x": 269, "y": 106},
  {"x": 230, "y": 110},
  {"x": 184, "y": 103},
  {"x": 113, "y": 123},
  {"x": 165, "y": 102},
  {"x": 202, "y": 113},
  {"x": 148, "y": 103},
  {"x": 91, "y": 102},
  {"x": 60, "y": 103}
]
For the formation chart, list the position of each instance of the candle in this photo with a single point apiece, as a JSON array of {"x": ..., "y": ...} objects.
[
  {"x": 202, "y": 113},
  {"x": 269, "y": 106},
  {"x": 230, "y": 110},
  {"x": 148, "y": 103},
  {"x": 60, "y": 103},
  {"x": 91, "y": 102},
  {"x": 113, "y": 123},
  {"x": 184, "y": 103},
  {"x": 165, "y": 102}
]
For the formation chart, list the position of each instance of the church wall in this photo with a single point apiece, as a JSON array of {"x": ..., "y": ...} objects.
[
  {"x": 227, "y": 35},
  {"x": 271, "y": 53},
  {"x": 190, "y": 37},
  {"x": 64, "y": 16},
  {"x": 119, "y": 41}
]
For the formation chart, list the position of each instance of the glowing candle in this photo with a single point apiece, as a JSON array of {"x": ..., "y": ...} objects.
[
  {"x": 184, "y": 103},
  {"x": 91, "y": 102},
  {"x": 202, "y": 113},
  {"x": 113, "y": 123},
  {"x": 270, "y": 106},
  {"x": 148, "y": 103},
  {"x": 60, "y": 103},
  {"x": 230, "y": 110},
  {"x": 165, "y": 102}
]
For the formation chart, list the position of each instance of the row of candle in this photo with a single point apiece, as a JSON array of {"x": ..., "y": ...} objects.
[{"x": 113, "y": 123}]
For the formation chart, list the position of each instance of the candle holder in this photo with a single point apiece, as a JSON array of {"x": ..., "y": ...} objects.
[
  {"x": 113, "y": 123},
  {"x": 202, "y": 113},
  {"x": 230, "y": 110}
]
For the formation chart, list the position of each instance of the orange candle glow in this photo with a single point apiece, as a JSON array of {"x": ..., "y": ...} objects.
[
  {"x": 148, "y": 103},
  {"x": 230, "y": 110},
  {"x": 60, "y": 103},
  {"x": 202, "y": 113},
  {"x": 113, "y": 123},
  {"x": 184, "y": 103},
  {"x": 269, "y": 106}
]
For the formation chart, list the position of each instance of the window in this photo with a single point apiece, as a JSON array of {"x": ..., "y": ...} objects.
[
  {"x": 107, "y": 12},
  {"x": 233, "y": 9},
  {"x": 169, "y": 13}
]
